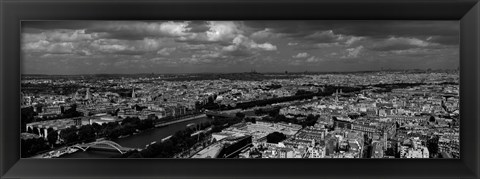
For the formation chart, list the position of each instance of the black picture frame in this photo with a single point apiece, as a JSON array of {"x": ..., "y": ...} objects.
[{"x": 14, "y": 11}]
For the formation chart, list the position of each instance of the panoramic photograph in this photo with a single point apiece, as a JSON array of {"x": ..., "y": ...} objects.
[{"x": 240, "y": 89}]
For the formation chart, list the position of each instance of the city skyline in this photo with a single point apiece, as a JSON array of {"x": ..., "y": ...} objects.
[{"x": 162, "y": 47}]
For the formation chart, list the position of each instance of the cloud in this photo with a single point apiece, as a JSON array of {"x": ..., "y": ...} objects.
[
  {"x": 135, "y": 30},
  {"x": 166, "y": 51},
  {"x": 446, "y": 40},
  {"x": 242, "y": 41},
  {"x": 325, "y": 37},
  {"x": 292, "y": 43},
  {"x": 353, "y": 52},
  {"x": 301, "y": 55},
  {"x": 222, "y": 31},
  {"x": 171, "y": 28},
  {"x": 314, "y": 59},
  {"x": 61, "y": 35},
  {"x": 44, "y": 46},
  {"x": 352, "y": 40},
  {"x": 263, "y": 34},
  {"x": 69, "y": 35},
  {"x": 133, "y": 47},
  {"x": 399, "y": 43}
]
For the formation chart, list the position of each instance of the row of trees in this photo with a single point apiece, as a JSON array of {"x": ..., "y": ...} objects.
[
  {"x": 310, "y": 119},
  {"x": 30, "y": 147},
  {"x": 276, "y": 137},
  {"x": 112, "y": 130},
  {"x": 275, "y": 116}
]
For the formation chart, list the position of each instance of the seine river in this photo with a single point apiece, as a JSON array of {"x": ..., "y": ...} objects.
[{"x": 139, "y": 140}]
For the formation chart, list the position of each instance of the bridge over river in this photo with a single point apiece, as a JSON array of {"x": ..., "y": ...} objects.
[{"x": 105, "y": 145}]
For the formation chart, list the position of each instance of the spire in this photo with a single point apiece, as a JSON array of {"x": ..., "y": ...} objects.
[{"x": 133, "y": 93}]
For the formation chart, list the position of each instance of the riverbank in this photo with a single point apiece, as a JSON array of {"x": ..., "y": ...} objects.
[{"x": 140, "y": 140}]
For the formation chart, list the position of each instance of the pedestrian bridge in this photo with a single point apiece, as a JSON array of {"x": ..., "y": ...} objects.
[{"x": 103, "y": 145}]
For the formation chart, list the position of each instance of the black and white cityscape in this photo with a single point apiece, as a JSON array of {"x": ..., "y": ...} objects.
[{"x": 240, "y": 89}]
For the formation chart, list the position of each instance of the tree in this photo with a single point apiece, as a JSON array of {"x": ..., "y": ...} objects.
[
  {"x": 146, "y": 124},
  {"x": 275, "y": 137},
  {"x": 35, "y": 131},
  {"x": 52, "y": 138},
  {"x": 27, "y": 116},
  {"x": 240, "y": 115},
  {"x": 30, "y": 130},
  {"x": 97, "y": 127},
  {"x": 250, "y": 119},
  {"x": 69, "y": 135},
  {"x": 431, "y": 119},
  {"x": 33, "y": 146},
  {"x": 86, "y": 133},
  {"x": 49, "y": 130},
  {"x": 310, "y": 120},
  {"x": 432, "y": 145}
]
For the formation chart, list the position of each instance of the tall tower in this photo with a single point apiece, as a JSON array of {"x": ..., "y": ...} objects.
[{"x": 133, "y": 93}]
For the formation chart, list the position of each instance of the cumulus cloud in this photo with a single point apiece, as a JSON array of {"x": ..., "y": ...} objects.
[
  {"x": 62, "y": 35},
  {"x": 352, "y": 40},
  {"x": 222, "y": 30},
  {"x": 242, "y": 41},
  {"x": 353, "y": 52},
  {"x": 447, "y": 40},
  {"x": 133, "y": 47},
  {"x": 399, "y": 43},
  {"x": 166, "y": 51},
  {"x": 325, "y": 37},
  {"x": 314, "y": 59},
  {"x": 263, "y": 34},
  {"x": 301, "y": 55},
  {"x": 134, "y": 30},
  {"x": 47, "y": 47}
]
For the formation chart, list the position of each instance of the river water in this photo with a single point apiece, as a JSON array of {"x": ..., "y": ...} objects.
[{"x": 139, "y": 140}]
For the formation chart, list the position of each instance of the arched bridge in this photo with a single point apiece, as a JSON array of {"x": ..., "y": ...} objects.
[{"x": 103, "y": 145}]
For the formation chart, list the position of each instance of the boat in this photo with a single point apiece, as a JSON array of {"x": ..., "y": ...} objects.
[
  {"x": 166, "y": 138},
  {"x": 191, "y": 124},
  {"x": 72, "y": 150}
]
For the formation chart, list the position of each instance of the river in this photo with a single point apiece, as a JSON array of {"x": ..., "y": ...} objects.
[{"x": 139, "y": 140}]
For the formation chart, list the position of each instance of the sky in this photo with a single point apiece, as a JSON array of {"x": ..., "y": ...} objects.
[{"x": 127, "y": 47}]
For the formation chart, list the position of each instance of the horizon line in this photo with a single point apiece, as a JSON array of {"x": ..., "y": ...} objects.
[{"x": 253, "y": 71}]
